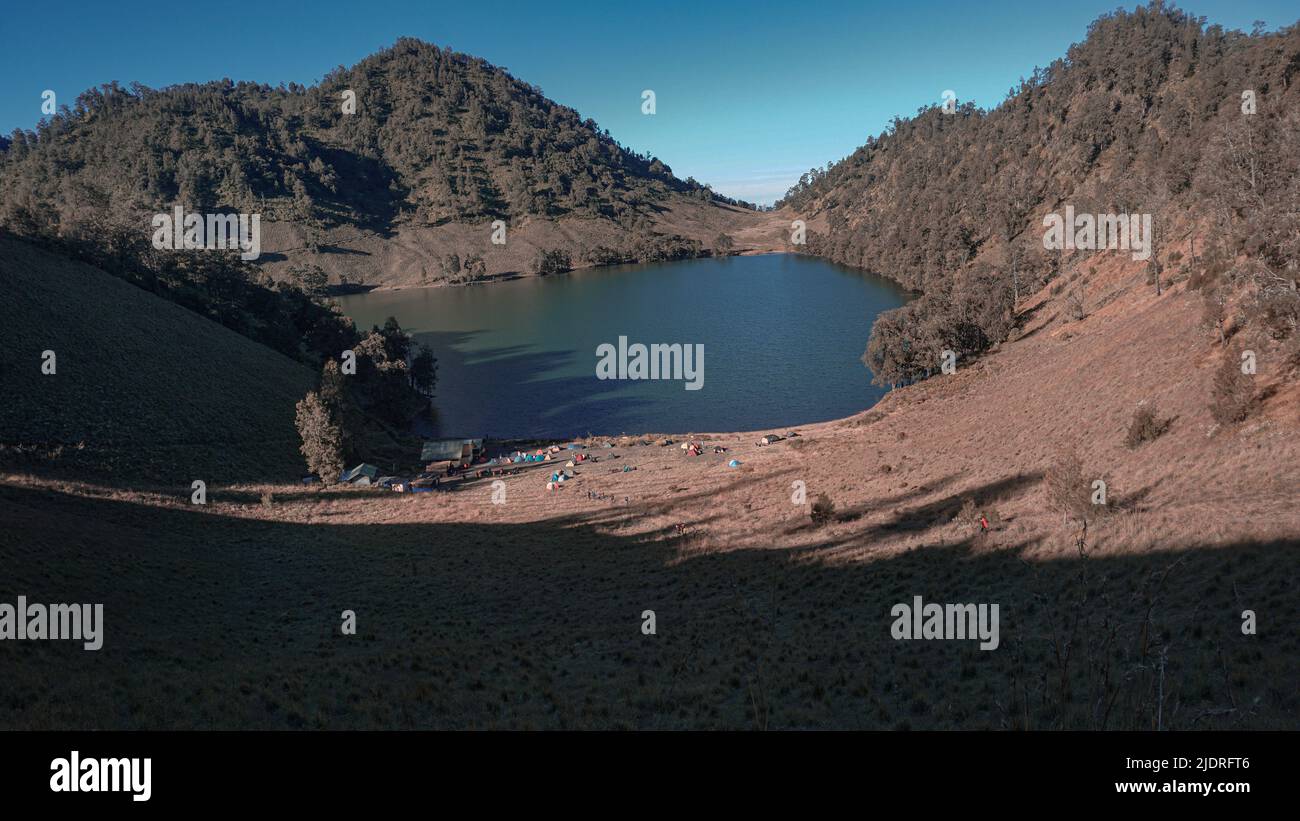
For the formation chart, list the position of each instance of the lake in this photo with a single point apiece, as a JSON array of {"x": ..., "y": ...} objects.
[{"x": 782, "y": 338}]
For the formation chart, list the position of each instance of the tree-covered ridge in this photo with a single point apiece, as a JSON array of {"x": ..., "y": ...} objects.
[
  {"x": 1144, "y": 116},
  {"x": 436, "y": 136}
]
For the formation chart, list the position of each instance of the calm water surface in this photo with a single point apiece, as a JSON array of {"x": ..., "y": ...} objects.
[{"x": 782, "y": 334}]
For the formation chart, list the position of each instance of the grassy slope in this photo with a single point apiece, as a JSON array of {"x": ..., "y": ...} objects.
[
  {"x": 149, "y": 388},
  {"x": 408, "y": 254},
  {"x": 527, "y": 614}
]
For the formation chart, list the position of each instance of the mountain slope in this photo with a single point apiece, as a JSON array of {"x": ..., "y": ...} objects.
[
  {"x": 142, "y": 387},
  {"x": 1143, "y": 114},
  {"x": 438, "y": 140},
  {"x": 1154, "y": 114}
]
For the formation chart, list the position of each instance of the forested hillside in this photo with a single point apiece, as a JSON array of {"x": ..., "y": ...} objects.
[
  {"x": 1154, "y": 112},
  {"x": 428, "y": 137}
]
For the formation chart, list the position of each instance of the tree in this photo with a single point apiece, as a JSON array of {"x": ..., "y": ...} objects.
[
  {"x": 336, "y": 395},
  {"x": 451, "y": 266},
  {"x": 397, "y": 343},
  {"x": 1069, "y": 491},
  {"x": 475, "y": 266},
  {"x": 722, "y": 245},
  {"x": 311, "y": 279},
  {"x": 551, "y": 262},
  {"x": 424, "y": 370},
  {"x": 322, "y": 440}
]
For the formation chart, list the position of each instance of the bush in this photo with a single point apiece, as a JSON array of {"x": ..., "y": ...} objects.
[
  {"x": 1074, "y": 305},
  {"x": 1232, "y": 395},
  {"x": 1145, "y": 427},
  {"x": 1279, "y": 311},
  {"x": 1069, "y": 491},
  {"x": 823, "y": 510},
  {"x": 552, "y": 262},
  {"x": 967, "y": 315},
  {"x": 1214, "y": 311},
  {"x": 968, "y": 513},
  {"x": 971, "y": 513}
]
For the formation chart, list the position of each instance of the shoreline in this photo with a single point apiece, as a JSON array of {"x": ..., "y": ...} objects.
[{"x": 513, "y": 276}]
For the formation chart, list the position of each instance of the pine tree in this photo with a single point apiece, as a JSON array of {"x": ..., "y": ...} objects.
[{"x": 322, "y": 440}]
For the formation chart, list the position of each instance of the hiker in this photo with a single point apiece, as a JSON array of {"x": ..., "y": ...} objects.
[{"x": 984, "y": 523}]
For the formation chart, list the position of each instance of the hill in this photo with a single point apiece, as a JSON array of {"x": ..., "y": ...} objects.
[
  {"x": 438, "y": 146},
  {"x": 142, "y": 387},
  {"x": 1155, "y": 113}
]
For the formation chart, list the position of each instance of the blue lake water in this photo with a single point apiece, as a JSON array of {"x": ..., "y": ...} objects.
[{"x": 782, "y": 337}]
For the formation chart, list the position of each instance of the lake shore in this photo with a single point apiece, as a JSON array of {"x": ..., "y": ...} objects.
[{"x": 407, "y": 255}]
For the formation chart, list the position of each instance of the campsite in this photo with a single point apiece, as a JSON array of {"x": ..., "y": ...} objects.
[{"x": 452, "y": 465}]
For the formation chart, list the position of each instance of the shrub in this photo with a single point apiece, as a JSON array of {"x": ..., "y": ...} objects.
[
  {"x": 1146, "y": 426},
  {"x": 1068, "y": 490},
  {"x": 968, "y": 514},
  {"x": 1074, "y": 305},
  {"x": 1214, "y": 311},
  {"x": 1279, "y": 311},
  {"x": 1232, "y": 394},
  {"x": 971, "y": 513},
  {"x": 823, "y": 510},
  {"x": 552, "y": 262}
]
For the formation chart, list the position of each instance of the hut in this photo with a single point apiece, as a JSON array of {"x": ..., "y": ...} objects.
[{"x": 362, "y": 474}]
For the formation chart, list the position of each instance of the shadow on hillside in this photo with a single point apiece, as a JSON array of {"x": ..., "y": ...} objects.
[
  {"x": 213, "y": 621},
  {"x": 369, "y": 191},
  {"x": 498, "y": 381}
]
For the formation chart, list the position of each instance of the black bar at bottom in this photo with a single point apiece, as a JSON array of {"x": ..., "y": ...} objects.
[{"x": 211, "y": 770}]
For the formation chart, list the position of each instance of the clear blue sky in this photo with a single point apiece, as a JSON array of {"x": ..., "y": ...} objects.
[{"x": 750, "y": 94}]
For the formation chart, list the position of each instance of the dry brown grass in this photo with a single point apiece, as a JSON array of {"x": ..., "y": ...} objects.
[{"x": 527, "y": 614}]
